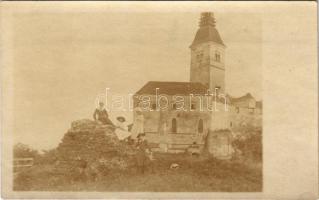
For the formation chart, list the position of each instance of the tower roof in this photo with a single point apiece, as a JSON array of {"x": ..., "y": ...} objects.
[{"x": 207, "y": 31}]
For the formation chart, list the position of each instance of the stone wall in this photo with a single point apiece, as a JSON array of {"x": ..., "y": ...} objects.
[
  {"x": 204, "y": 67},
  {"x": 219, "y": 144},
  {"x": 244, "y": 117},
  {"x": 158, "y": 128},
  {"x": 158, "y": 124},
  {"x": 219, "y": 117}
]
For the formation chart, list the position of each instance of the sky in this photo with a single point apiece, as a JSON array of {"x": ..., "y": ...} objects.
[{"x": 63, "y": 61}]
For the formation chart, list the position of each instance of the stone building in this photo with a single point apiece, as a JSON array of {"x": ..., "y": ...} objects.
[
  {"x": 245, "y": 111},
  {"x": 178, "y": 115}
]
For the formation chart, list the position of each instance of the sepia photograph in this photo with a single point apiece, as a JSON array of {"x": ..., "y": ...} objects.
[{"x": 114, "y": 100}]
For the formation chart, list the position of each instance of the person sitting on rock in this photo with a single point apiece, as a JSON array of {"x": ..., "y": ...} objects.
[
  {"x": 121, "y": 130},
  {"x": 100, "y": 115}
]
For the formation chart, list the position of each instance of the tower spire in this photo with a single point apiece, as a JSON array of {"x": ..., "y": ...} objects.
[
  {"x": 207, "y": 19},
  {"x": 208, "y": 55}
]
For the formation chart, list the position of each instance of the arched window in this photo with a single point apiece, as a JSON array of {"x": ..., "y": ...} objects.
[
  {"x": 174, "y": 106},
  {"x": 200, "y": 126},
  {"x": 237, "y": 109},
  {"x": 154, "y": 106},
  {"x": 174, "y": 126}
]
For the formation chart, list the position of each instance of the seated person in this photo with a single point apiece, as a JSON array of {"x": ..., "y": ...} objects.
[
  {"x": 121, "y": 130},
  {"x": 100, "y": 115}
]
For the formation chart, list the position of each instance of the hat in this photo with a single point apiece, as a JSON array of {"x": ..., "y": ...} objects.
[
  {"x": 120, "y": 118},
  {"x": 138, "y": 110}
]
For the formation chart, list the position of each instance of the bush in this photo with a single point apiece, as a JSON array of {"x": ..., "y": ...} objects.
[
  {"x": 250, "y": 145},
  {"x": 47, "y": 158},
  {"x": 24, "y": 151}
]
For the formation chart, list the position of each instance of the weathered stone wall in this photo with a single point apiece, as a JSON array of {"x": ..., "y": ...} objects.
[
  {"x": 158, "y": 128},
  {"x": 219, "y": 144},
  {"x": 200, "y": 58},
  {"x": 244, "y": 117},
  {"x": 205, "y": 68},
  {"x": 158, "y": 124},
  {"x": 219, "y": 117}
]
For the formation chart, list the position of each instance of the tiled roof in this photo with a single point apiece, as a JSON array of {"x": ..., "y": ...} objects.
[
  {"x": 173, "y": 88},
  {"x": 207, "y": 34},
  {"x": 246, "y": 97}
]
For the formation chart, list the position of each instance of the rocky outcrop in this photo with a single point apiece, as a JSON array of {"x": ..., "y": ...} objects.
[{"x": 90, "y": 146}]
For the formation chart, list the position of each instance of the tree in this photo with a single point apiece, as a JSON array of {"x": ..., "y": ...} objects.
[{"x": 24, "y": 151}]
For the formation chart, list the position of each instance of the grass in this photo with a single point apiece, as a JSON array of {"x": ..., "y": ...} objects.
[{"x": 194, "y": 175}]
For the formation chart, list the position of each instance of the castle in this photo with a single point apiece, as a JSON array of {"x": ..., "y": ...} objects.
[{"x": 198, "y": 111}]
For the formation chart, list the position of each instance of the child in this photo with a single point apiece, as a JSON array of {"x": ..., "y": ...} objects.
[{"x": 121, "y": 130}]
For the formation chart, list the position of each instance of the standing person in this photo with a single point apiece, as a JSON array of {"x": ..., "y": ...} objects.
[
  {"x": 121, "y": 130},
  {"x": 138, "y": 124},
  {"x": 100, "y": 115},
  {"x": 143, "y": 152}
]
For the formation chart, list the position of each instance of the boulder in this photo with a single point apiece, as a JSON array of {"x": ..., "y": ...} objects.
[{"x": 89, "y": 147}]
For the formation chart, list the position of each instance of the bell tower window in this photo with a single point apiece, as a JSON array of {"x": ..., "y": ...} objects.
[
  {"x": 217, "y": 56},
  {"x": 199, "y": 56}
]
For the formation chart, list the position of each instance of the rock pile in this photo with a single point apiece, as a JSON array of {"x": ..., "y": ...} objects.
[{"x": 89, "y": 145}]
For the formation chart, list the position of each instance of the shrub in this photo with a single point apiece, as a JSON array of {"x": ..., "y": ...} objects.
[
  {"x": 24, "y": 151},
  {"x": 250, "y": 145}
]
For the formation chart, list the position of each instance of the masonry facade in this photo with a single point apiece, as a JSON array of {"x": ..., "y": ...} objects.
[{"x": 178, "y": 115}]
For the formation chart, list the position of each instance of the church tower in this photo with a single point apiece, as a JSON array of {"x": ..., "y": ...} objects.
[{"x": 208, "y": 55}]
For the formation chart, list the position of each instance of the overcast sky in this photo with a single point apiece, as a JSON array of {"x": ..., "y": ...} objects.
[{"x": 62, "y": 61}]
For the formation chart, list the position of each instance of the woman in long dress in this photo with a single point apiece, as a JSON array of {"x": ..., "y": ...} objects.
[
  {"x": 121, "y": 130},
  {"x": 138, "y": 124}
]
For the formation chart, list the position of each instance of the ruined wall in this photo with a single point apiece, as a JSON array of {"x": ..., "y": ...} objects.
[
  {"x": 219, "y": 144},
  {"x": 244, "y": 117}
]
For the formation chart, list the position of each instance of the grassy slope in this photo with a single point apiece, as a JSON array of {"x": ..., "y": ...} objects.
[{"x": 194, "y": 175}]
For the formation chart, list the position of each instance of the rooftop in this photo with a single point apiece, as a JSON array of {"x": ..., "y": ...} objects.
[
  {"x": 246, "y": 97},
  {"x": 173, "y": 88},
  {"x": 207, "y": 31}
]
